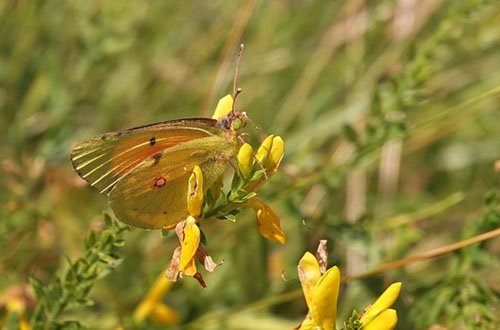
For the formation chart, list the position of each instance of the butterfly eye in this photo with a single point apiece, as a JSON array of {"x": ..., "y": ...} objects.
[{"x": 236, "y": 124}]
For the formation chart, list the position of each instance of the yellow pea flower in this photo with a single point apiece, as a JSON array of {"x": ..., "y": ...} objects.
[
  {"x": 151, "y": 305},
  {"x": 275, "y": 155},
  {"x": 264, "y": 150},
  {"x": 385, "y": 321},
  {"x": 189, "y": 247},
  {"x": 224, "y": 106},
  {"x": 268, "y": 222},
  {"x": 382, "y": 303},
  {"x": 245, "y": 160},
  {"x": 195, "y": 192},
  {"x": 268, "y": 157},
  {"x": 321, "y": 293}
]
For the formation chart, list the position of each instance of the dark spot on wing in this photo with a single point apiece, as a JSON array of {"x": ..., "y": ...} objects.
[
  {"x": 164, "y": 212},
  {"x": 152, "y": 141},
  {"x": 159, "y": 181},
  {"x": 157, "y": 157}
]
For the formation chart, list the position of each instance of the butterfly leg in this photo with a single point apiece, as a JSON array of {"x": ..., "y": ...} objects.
[
  {"x": 223, "y": 158},
  {"x": 261, "y": 167}
]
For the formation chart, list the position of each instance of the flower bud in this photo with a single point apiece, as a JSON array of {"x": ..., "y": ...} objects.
[
  {"x": 264, "y": 150},
  {"x": 245, "y": 160},
  {"x": 275, "y": 155}
]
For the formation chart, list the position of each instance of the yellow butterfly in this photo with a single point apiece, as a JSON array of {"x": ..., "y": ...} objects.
[{"x": 144, "y": 171}]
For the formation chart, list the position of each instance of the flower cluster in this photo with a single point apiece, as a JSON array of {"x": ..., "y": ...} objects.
[
  {"x": 253, "y": 171},
  {"x": 321, "y": 290}
]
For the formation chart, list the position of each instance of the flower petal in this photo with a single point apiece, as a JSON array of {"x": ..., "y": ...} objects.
[
  {"x": 190, "y": 268},
  {"x": 382, "y": 303},
  {"x": 309, "y": 275},
  {"x": 308, "y": 324},
  {"x": 189, "y": 245},
  {"x": 325, "y": 295},
  {"x": 275, "y": 155},
  {"x": 264, "y": 150},
  {"x": 195, "y": 192},
  {"x": 223, "y": 107},
  {"x": 268, "y": 222},
  {"x": 245, "y": 160},
  {"x": 385, "y": 321},
  {"x": 172, "y": 273}
]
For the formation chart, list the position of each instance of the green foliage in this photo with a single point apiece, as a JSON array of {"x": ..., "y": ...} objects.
[
  {"x": 71, "y": 289},
  {"x": 460, "y": 297},
  {"x": 353, "y": 322}
]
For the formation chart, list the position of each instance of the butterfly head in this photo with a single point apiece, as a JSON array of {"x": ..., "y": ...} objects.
[{"x": 233, "y": 121}]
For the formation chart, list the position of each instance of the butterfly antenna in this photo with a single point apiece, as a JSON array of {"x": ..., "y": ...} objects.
[{"x": 237, "y": 91}]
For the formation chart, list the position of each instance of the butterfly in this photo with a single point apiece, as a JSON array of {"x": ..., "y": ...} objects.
[{"x": 144, "y": 171}]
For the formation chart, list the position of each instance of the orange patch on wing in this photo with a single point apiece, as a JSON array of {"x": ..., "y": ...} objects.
[{"x": 130, "y": 153}]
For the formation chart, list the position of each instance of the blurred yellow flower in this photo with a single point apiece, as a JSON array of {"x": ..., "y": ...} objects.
[
  {"x": 223, "y": 107},
  {"x": 152, "y": 306},
  {"x": 268, "y": 222}
]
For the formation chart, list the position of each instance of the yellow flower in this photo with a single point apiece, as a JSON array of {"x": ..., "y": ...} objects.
[
  {"x": 195, "y": 192},
  {"x": 268, "y": 222},
  {"x": 268, "y": 157},
  {"x": 189, "y": 247},
  {"x": 275, "y": 156},
  {"x": 245, "y": 160},
  {"x": 264, "y": 150},
  {"x": 321, "y": 293},
  {"x": 385, "y": 321},
  {"x": 152, "y": 306},
  {"x": 382, "y": 303},
  {"x": 224, "y": 106}
]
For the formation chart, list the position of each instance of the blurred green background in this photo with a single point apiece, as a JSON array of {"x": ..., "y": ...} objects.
[{"x": 390, "y": 115}]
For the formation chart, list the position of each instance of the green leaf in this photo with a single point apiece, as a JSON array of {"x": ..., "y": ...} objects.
[
  {"x": 230, "y": 217},
  {"x": 37, "y": 288},
  {"x": 108, "y": 221},
  {"x": 90, "y": 239}
]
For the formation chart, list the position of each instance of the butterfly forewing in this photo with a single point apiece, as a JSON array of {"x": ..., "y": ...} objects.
[{"x": 103, "y": 160}]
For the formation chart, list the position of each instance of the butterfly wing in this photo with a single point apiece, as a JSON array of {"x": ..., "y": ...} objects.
[
  {"x": 154, "y": 193},
  {"x": 103, "y": 160}
]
